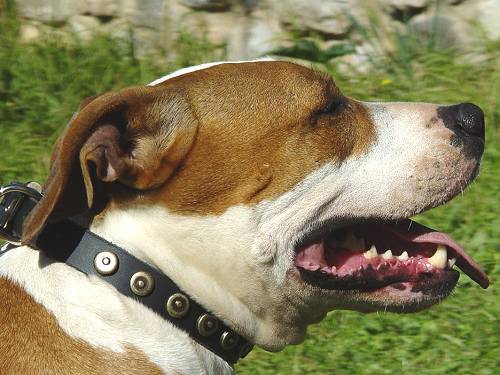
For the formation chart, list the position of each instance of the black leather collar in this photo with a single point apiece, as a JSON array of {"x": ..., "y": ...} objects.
[{"x": 69, "y": 242}]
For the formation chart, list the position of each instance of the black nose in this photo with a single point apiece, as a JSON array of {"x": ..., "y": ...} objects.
[
  {"x": 467, "y": 117},
  {"x": 471, "y": 119}
]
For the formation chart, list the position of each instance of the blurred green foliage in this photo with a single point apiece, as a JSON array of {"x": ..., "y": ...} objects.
[
  {"x": 309, "y": 49},
  {"x": 41, "y": 85}
]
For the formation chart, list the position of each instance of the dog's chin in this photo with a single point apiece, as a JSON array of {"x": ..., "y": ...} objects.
[
  {"x": 393, "y": 266},
  {"x": 401, "y": 297}
]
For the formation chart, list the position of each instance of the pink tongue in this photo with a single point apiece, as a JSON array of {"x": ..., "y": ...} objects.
[{"x": 418, "y": 233}]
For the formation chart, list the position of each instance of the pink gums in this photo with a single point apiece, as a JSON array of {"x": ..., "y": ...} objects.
[
  {"x": 343, "y": 262},
  {"x": 420, "y": 242}
]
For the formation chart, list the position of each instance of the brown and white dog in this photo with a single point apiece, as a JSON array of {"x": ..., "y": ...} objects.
[{"x": 262, "y": 191}]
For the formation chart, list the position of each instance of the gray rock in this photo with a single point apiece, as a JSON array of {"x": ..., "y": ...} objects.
[
  {"x": 33, "y": 31},
  {"x": 326, "y": 17},
  {"x": 29, "y": 32},
  {"x": 49, "y": 10},
  {"x": 141, "y": 13},
  {"x": 253, "y": 36},
  {"x": 84, "y": 27},
  {"x": 489, "y": 17},
  {"x": 208, "y": 5},
  {"x": 472, "y": 13},
  {"x": 252, "y": 28},
  {"x": 109, "y": 8},
  {"x": 146, "y": 42},
  {"x": 404, "y": 10},
  {"x": 262, "y": 37},
  {"x": 444, "y": 31},
  {"x": 118, "y": 28},
  {"x": 406, "y": 4},
  {"x": 217, "y": 26}
]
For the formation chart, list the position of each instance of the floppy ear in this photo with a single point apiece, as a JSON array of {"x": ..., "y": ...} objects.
[{"x": 134, "y": 138}]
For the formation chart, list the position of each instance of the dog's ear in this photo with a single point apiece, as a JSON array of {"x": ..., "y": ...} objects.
[{"x": 134, "y": 138}]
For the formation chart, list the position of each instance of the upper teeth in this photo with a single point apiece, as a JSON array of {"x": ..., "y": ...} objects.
[
  {"x": 438, "y": 260},
  {"x": 403, "y": 256},
  {"x": 440, "y": 257},
  {"x": 387, "y": 254},
  {"x": 372, "y": 253}
]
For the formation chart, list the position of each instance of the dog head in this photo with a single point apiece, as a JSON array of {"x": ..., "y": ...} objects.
[{"x": 268, "y": 195}]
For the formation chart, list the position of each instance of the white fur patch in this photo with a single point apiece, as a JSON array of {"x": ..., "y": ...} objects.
[
  {"x": 195, "y": 68},
  {"x": 90, "y": 309}
]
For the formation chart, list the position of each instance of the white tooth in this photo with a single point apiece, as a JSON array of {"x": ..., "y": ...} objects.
[
  {"x": 372, "y": 253},
  {"x": 451, "y": 262},
  {"x": 387, "y": 254},
  {"x": 439, "y": 258},
  {"x": 403, "y": 256}
]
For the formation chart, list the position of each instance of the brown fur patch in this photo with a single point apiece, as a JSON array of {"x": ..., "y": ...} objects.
[
  {"x": 203, "y": 142},
  {"x": 262, "y": 128},
  {"x": 31, "y": 342}
]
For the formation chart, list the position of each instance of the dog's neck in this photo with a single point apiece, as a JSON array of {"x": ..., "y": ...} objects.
[
  {"x": 89, "y": 309},
  {"x": 169, "y": 243},
  {"x": 219, "y": 261}
]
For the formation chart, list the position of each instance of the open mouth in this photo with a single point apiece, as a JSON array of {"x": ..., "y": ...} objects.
[{"x": 405, "y": 256}]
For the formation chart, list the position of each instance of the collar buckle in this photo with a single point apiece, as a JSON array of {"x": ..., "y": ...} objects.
[{"x": 11, "y": 198}]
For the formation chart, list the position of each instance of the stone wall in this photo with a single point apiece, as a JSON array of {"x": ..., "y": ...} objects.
[{"x": 252, "y": 28}]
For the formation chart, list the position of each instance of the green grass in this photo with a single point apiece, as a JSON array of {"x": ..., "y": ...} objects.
[{"x": 41, "y": 85}]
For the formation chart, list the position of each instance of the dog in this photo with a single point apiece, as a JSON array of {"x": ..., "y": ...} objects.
[{"x": 263, "y": 192}]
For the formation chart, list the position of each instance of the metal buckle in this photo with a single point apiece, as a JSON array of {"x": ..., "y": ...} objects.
[{"x": 8, "y": 212}]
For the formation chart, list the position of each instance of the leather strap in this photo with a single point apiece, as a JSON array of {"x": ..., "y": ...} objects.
[{"x": 69, "y": 242}]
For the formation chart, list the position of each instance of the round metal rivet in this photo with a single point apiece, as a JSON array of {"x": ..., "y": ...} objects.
[
  {"x": 228, "y": 340},
  {"x": 245, "y": 350},
  {"x": 142, "y": 283},
  {"x": 177, "y": 305},
  {"x": 207, "y": 325},
  {"x": 35, "y": 186},
  {"x": 106, "y": 263}
]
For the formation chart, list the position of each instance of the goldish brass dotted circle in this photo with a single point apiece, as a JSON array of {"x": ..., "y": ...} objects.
[
  {"x": 177, "y": 305},
  {"x": 142, "y": 283},
  {"x": 106, "y": 263},
  {"x": 228, "y": 340},
  {"x": 207, "y": 325},
  {"x": 245, "y": 349}
]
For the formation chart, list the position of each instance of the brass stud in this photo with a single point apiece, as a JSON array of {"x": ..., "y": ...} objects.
[
  {"x": 106, "y": 263},
  {"x": 178, "y": 305},
  {"x": 228, "y": 340},
  {"x": 207, "y": 325},
  {"x": 245, "y": 350},
  {"x": 142, "y": 283}
]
